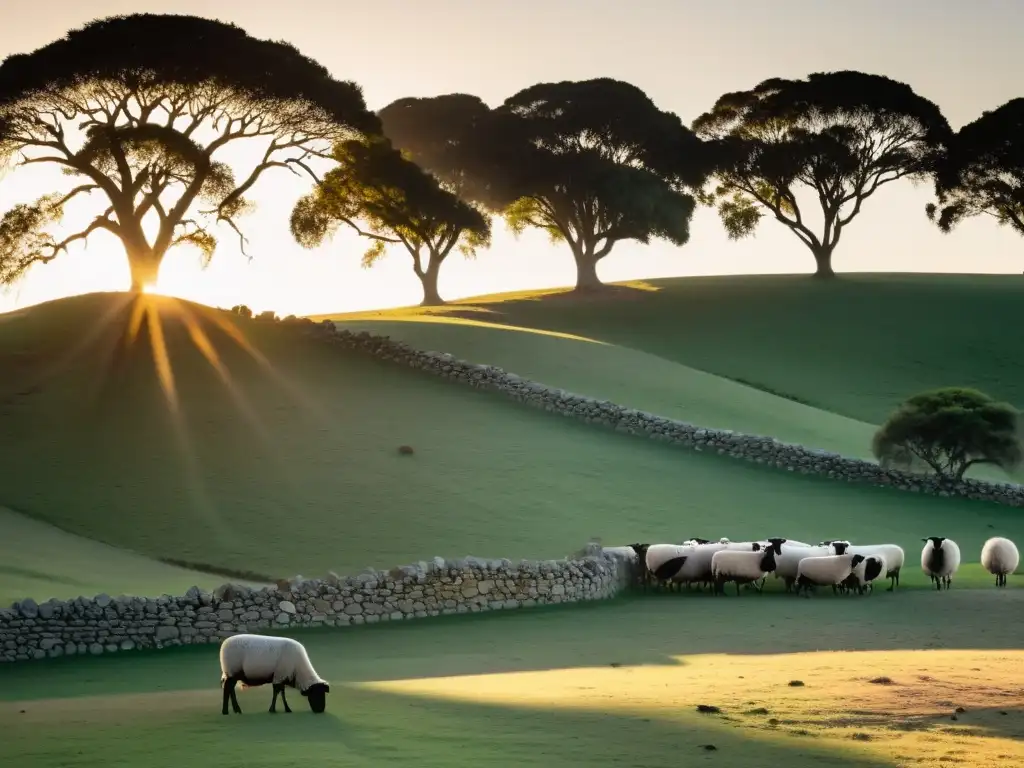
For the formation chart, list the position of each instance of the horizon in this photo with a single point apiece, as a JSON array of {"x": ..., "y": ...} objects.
[{"x": 892, "y": 233}]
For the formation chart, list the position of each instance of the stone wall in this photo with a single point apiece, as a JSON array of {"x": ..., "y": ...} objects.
[
  {"x": 104, "y": 624},
  {"x": 754, "y": 448}
]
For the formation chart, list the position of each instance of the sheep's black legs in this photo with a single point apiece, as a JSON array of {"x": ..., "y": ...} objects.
[
  {"x": 279, "y": 689},
  {"x": 229, "y": 693}
]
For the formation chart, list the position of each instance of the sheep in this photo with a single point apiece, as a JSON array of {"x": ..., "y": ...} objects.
[
  {"x": 999, "y": 557},
  {"x": 664, "y": 561},
  {"x": 788, "y": 562},
  {"x": 940, "y": 559},
  {"x": 862, "y": 577},
  {"x": 697, "y": 568},
  {"x": 824, "y": 570},
  {"x": 254, "y": 660},
  {"x": 892, "y": 553},
  {"x": 743, "y": 567}
]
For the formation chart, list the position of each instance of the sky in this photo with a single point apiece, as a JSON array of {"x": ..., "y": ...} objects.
[{"x": 683, "y": 53}]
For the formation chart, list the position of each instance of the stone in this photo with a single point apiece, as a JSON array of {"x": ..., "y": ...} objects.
[
  {"x": 166, "y": 633},
  {"x": 287, "y": 606}
]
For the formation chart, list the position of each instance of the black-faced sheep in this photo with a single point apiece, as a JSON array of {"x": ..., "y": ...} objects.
[
  {"x": 254, "y": 660},
  {"x": 940, "y": 559}
]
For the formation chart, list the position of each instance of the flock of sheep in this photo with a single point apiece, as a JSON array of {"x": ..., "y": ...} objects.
[
  {"x": 838, "y": 564},
  {"x": 254, "y": 660}
]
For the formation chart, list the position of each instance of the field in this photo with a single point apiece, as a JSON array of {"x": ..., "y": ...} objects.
[
  {"x": 600, "y": 685},
  {"x": 212, "y": 444}
]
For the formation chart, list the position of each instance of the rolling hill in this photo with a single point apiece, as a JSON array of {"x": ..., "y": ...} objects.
[{"x": 233, "y": 444}]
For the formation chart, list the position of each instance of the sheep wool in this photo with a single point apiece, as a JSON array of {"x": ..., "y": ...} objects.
[
  {"x": 892, "y": 553},
  {"x": 788, "y": 562},
  {"x": 743, "y": 567},
  {"x": 864, "y": 573},
  {"x": 666, "y": 560},
  {"x": 254, "y": 660},
  {"x": 940, "y": 559},
  {"x": 825, "y": 570},
  {"x": 1000, "y": 557}
]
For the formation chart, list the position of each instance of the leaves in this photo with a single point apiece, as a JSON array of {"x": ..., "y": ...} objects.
[
  {"x": 116, "y": 105},
  {"x": 590, "y": 162},
  {"x": 376, "y": 187},
  {"x": 982, "y": 172},
  {"x": 24, "y": 240},
  {"x": 838, "y": 135},
  {"x": 950, "y": 430}
]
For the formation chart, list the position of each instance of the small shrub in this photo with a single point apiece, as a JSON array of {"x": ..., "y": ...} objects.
[
  {"x": 406, "y": 450},
  {"x": 242, "y": 311},
  {"x": 709, "y": 709},
  {"x": 882, "y": 681},
  {"x": 267, "y": 316},
  {"x": 796, "y": 683}
]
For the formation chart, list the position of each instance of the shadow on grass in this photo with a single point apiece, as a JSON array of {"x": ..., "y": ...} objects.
[
  {"x": 624, "y": 632},
  {"x": 375, "y": 728}
]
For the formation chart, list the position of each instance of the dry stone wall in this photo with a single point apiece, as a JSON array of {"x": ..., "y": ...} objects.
[
  {"x": 754, "y": 448},
  {"x": 104, "y": 624}
]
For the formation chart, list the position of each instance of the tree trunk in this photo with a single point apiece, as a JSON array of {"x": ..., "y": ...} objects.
[
  {"x": 586, "y": 273},
  {"x": 431, "y": 297},
  {"x": 144, "y": 267},
  {"x": 823, "y": 261}
]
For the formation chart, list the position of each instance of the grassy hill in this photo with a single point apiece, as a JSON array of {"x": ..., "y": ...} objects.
[
  {"x": 855, "y": 346},
  {"x": 269, "y": 452}
]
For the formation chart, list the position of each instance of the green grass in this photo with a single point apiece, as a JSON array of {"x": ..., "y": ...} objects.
[
  {"x": 291, "y": 466},
  {"x": 598, "y": 685},
  {"x": 39, "y": 560},
  {"x": 856, "y": 345}
]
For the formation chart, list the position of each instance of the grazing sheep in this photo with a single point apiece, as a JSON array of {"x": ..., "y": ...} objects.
[
  {"x": 664, "y": 561},
  {"x": 1000, "y": 557},
  {"x": 697, "y": 568},
  {"x": 940, "y": 559},
  {"x": 892, "y": 553},
  {"x": 787, "y": 564},
  {"x": 254, "y": 660},
  {"x": 862, "y": 577},
  {"x": 743, "y": 567},
  {"x": 824, "y": 570}
]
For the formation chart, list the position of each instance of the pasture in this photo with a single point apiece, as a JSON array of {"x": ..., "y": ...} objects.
[
  {"x": 616, "y": 684},
  {"x": 209, "y": 436}
]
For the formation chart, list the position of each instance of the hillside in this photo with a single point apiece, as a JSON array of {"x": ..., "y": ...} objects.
[
  {"x": 855, "y": 346},
  {"x": 282, "y": 459}
]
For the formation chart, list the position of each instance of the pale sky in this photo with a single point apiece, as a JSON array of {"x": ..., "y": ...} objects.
[{"x": 684, "y": 53}]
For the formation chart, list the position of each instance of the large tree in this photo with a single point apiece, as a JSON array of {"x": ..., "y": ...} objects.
[
  {"x": 591, "y": 163},
  {"x": 982, "y": 172},
  {"x": 831, "y": 140},
  {"x": 375, "y": 187},
  {"x": 136, "y": 111}
]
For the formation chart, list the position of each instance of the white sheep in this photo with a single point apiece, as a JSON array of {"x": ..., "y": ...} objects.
[
  {"x": 697, "y": 568},
  {"x": 664, "y": 561},
  {"x": 1000, "y": 557},
  {"x": 825, "y": 570},
  {"x": 892, "y": 553},
  {"x": 743, "y": 567},
  {"x": 863, "y": 575},
  {"x": 940, "y": 559},
  {"x": 254, "y": 660},
  {"x": 788, "y": 562}
]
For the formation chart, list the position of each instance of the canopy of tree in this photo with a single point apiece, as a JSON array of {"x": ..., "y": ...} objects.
[
  {"x": 374, "y": 186},
  {"x": 591, "y": 163},
  {"x": 134, "y": 109},
  {"x": 950, "y": 430},
  {"x": 839, "y": 136},
  {"x": 983, "y": 171}
]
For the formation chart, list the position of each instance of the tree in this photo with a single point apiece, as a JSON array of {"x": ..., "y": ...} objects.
[
  {"x": 136, "y": 109},
  {"x": 982, "y": 171},
  {"x": 398, "y": 202},
  {"x": 950, "y": 430},
  {"x": 591, "y": 162},
  {"x": 838, "y": 135}
]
